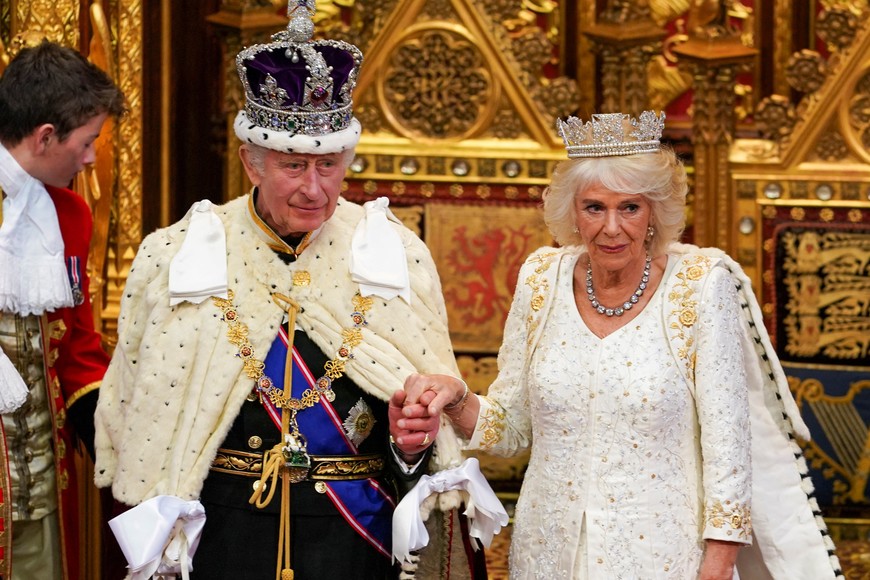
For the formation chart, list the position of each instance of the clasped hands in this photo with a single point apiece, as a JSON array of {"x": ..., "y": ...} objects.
[{"x": 415, "y": 412}]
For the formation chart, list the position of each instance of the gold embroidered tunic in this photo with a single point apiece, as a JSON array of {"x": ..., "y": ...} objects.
[{"x": 616, "y": 486}]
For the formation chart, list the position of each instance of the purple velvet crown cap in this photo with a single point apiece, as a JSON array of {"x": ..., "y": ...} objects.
[
  {"x": 299, "y": 92},
  {"x": 290, "y": 76}
]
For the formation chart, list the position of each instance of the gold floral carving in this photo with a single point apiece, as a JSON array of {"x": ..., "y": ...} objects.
[
  {"x": 776, "y": 117},
  {"x": 859, "y": 112},
  {"x": 623, "y": 11},
  {"x": 831, "y": 146},
  {"x": 439, "y": 10},
  {"x": 366, "y": 21},
  {"x": 713, "y": 103},
  {"x": 806, "y": 71},
  {"x": 127, "y": 227},
  {"x": 837, "y": 27},
  {"x": 557, "y": 96},
  {"x": 129, "y": 27},
  {"x": 437, "y": 85}
]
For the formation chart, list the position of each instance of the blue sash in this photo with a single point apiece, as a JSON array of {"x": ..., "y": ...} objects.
[{"x": 363, "y": 503}]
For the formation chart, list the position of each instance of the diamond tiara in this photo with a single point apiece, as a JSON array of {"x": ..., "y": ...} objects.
[{"x": 612, "y": 134}]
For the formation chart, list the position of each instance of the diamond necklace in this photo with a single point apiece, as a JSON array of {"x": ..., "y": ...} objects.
[{"x": 619, "y": 310}]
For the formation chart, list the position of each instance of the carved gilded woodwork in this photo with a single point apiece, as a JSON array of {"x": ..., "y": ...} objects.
[
  {"x": 837, "y": 26},
  {"x": 783, "y": 12},
  {"x": 714, "y": 65},
  {"x": 479, "y": 95},
  {"x": 437, "y": 85},
  {"x": 57, "y": 20},
  {"x": 626, "y": 38},
  {"x": 127, "y": 230}
]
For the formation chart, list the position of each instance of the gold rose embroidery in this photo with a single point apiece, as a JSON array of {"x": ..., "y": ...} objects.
[
  {"x": 688, "y": 317},
  {"x": 685, "y": 312},
  {"x": 733, "y": 516},
  {"x": 540, "y": 286},
  {"x": 493, "y": 427},
  {"x": 694, "y": 272}
]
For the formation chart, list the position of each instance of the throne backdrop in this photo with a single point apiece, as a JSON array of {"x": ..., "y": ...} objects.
[{"x": 766, "y": 100}]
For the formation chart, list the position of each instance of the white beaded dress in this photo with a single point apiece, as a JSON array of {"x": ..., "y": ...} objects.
[{"x": 616, "y": 487}]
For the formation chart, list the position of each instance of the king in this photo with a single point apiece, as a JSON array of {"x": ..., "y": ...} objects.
[{"x": 259, "y": 344}]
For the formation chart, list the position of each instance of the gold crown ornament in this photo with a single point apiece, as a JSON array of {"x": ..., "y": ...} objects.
[
  {"x": 612, "y": 134},
  {"x": 298, "y": 92}
]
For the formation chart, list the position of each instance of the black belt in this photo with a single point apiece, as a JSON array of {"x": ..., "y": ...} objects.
[{"x": 323, "y": 467}]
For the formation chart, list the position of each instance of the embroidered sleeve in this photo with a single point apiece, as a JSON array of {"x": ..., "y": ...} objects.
[
  {"x": 504, "y": 423},
  {"x": 721, "y": 396}
]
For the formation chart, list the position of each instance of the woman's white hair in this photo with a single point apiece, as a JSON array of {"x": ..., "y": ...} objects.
[
  {"x": 257, "y": 156},
  {"x": 659, "y": 177}
]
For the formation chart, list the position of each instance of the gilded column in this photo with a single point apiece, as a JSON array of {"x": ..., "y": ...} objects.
[
  {"x": 127, "y": 228},
  {"x": 626, "y": 38},
  {"x": 240, "y": 23},
  {"x": 713, "y": 64},
  {"x": 782, "y": 44}
]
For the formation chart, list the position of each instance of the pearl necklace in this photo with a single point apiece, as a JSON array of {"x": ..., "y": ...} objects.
[{"x": 619, "y": 310}]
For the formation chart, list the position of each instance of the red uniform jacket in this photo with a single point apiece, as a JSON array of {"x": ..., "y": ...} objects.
[{"x": 74, "y": 365}]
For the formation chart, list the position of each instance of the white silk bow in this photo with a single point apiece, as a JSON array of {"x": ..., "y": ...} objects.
[
  {"x": 159, "y": 536},
  {"x": 486, "y": 516},
  {"x": 199, "y": 269},
  {"x": 378, "y": 261}
]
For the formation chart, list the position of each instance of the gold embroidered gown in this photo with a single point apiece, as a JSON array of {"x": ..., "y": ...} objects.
[{"x": 629, "y": 471}]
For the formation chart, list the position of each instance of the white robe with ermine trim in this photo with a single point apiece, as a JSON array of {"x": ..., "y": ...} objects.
[{"x": 176, "y": 384}]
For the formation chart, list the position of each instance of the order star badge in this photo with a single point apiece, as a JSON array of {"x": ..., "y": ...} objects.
[{"x": 359, "y": 422}]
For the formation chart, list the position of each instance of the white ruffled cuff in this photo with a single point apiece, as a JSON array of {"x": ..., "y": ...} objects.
[
  {"x": 33, "y": 285},
  {"x": 13, "y": 390},
  {"x": 486, "y": 516}
]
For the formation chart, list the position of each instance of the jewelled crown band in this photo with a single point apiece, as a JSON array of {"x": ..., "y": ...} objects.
[{"x": 612, "y": 134}]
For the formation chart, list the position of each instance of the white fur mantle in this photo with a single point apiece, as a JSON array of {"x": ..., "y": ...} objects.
[{"x": 175, "y": 384}]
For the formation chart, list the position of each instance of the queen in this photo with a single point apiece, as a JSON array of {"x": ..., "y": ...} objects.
[{"x": 637, "y": 370}]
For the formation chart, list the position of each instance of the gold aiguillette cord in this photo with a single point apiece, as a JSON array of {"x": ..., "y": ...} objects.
[{"x": 274, "y": 461}]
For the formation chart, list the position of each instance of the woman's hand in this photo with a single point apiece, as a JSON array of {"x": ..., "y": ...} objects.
[
  {"x": 719, "y": 560},
  {"x": 434, "y": 391},
  {"x": 412, "y": 428}
]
